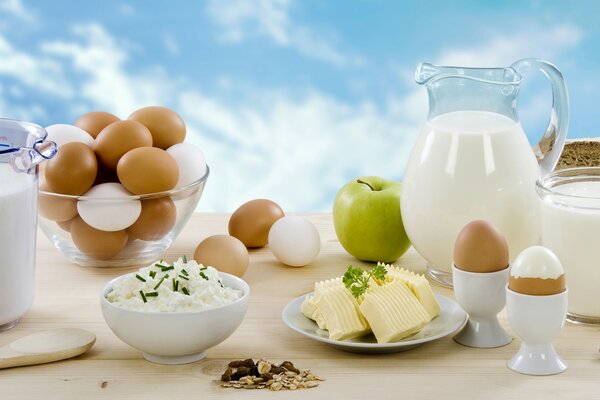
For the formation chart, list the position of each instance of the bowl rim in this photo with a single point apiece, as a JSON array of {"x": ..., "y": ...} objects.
[
  {"x": 146, "y": 196},
  {"x": 108, "y": 286}
]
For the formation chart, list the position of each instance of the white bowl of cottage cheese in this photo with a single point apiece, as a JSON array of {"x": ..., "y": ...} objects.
[{"x": 174, "y": 312}]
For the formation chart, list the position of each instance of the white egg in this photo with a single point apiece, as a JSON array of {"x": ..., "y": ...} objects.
[
  {"x": 112, "y": 210},
  {"x": 191, "y": 162},
  {"x": 63, "y": 133},
  {"x": 294, "y": 241}
]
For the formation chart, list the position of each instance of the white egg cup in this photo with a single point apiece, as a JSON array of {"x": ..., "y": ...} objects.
[
  {"x": 537, "y": 320},
  {"x": 482, "y": 296}
]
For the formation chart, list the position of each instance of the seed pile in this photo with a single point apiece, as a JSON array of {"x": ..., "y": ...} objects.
[{"x": 247, "y": 374}]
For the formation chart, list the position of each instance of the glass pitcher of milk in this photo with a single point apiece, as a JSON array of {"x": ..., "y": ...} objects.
[
  {"x": 22, "y": 148},
  {"x": 472, "y": 159}
]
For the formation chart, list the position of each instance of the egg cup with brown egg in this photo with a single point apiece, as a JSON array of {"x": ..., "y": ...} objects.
[
  {"x": 479, "y": 275},
  {"x": 536, "y": 303}
]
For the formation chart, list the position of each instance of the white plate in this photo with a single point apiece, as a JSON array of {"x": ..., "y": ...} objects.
[{"x": 450, "y": 319}]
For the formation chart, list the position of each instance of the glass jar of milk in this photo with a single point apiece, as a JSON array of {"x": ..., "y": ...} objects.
[
  {"x": 22, "y": 147},
  {"x": 570, "y": 211}
]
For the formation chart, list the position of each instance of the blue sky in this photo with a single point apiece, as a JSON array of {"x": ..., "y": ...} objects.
[{"x": 288, "y": 99}]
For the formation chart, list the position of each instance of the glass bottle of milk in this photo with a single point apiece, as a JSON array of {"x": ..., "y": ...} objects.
[
  {"x": 22, "y": 147},
  {"x": 472, "y": 160}
]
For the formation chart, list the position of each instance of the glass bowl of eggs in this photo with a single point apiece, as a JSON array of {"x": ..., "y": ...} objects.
[{"x": 118, "y": 192}]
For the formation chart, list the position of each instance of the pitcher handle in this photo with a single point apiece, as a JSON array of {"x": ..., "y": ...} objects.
[{"x": 550, "y": 146}]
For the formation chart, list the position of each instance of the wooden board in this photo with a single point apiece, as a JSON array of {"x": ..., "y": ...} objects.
[{"x": 68, "y": 296}]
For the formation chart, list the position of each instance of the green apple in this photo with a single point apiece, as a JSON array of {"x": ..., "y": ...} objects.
[{"x": 367, "y": 219}]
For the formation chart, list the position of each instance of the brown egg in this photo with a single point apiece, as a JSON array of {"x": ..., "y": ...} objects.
[
  {"x": 537, "y": 286},
  {"x": 223, "y": 252},
  {"x": 65, "y": 225},
  {"x": 252, "y": 221},
  {"x": 93, "y": 122},
  {"x": 72, "y": 170},
  {"x": 95, "y": 243},
  {"x": 117, "y": 139},
  {"x": 480, "y": 247},
  {"x": 53, "y": 207},
  {"x": 166, "y": 126},
  {"x": 156, "y": 219},
  {"x": 148, "y": 170}
]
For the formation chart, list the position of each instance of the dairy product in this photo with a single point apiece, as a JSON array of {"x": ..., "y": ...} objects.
[
  {"x": 183, "y": 286},
  {"x": 571, "y": 228},
  {"x": 393, "y": 312},
  {"x": 18, "y": 219},
  {"x": 418, "y": 285},
  {"x": 390, "y": 302},
  {"x": 333, "y": 308},
  {"x": 465, "y": 166}
]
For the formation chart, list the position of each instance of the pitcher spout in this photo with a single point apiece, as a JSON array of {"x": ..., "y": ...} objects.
[{"x": 427, "y": 73}]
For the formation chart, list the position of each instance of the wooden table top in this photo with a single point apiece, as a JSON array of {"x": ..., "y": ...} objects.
[{"x": 68, "y": 296}]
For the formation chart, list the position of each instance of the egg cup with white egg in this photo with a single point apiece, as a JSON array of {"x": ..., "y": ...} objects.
[
  {"x": 480, "y": 274},
  {"x": 536, "y": 303}
]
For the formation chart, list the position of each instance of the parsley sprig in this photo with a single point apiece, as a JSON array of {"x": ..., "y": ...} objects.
[{"x": 357, "y": 279}]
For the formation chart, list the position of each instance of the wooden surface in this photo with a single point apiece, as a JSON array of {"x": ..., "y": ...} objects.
[{"x": 68, "y": 296}]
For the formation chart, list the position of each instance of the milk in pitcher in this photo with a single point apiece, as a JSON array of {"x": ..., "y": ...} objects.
[{"x": 470, "y": 165}]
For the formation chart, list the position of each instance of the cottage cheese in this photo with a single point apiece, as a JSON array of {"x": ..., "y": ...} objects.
[{"x": 202, "y": 290}]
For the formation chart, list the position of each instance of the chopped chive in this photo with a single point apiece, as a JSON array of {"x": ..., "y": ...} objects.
[
  {"x": 167, "y": 268},
  {"x": 143, "y": 297},
  {"x": 185, "y": 291},
  {"x": 175, "y": 284},
  {"x": 160, "y": 282},
  {"x": 140, "y": 278},
  {"x": 152, "y": 294},
  {"x": 185, "y": 259},
  {"x": 202, "y": 274},
  {"x": 203, "y": 268},
  {"x": 183, "y": 271},
  {"x": 221, "y": 284},
  {"x": 184, "y": 277},
  {"x": 152, "y": 274}
]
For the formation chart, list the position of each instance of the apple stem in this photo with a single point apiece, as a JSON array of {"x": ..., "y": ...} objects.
[{"x": 365, "y": 183}]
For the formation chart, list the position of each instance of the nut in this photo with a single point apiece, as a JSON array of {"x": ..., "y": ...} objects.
[{"x": 263, "y": 367}]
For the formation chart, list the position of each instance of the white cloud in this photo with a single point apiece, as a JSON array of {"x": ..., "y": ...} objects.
[
  {"x": 101, "y": 61},
  {"x": 240, "y": 19},
  {"x": 170, "y": 44},
  {"x": 503, "y": 49},
  {"x": 36, "y": 73},
  {"x": 126, "y": 9},
  {"x": 17, "y": 9}
]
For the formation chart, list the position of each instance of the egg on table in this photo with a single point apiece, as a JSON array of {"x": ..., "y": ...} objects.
[
  {"x": 103, "y": 209},
  {"x": 538, "y": 272},
  {"x": 223, "y": 252},
  {"x": 93, "y": 122},
  {"x": 165, "y": 125},
  {"x": 72, "y": 170},
  {"x": 191, "y": 162},
  {"x": 117, "y": 139},
  {"x": 481, "y": 247},
  {"x": 95, "y": 243},
  {"x": 156, "y": 219},
  {"x": 63, "y": 133},
  {"x": 148, "y": 170},
  {"x": 294, "y": 241},
  {"x": 251, "y": 222}
]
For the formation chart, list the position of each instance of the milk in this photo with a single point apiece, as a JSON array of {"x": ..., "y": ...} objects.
[
  {"x": 18, "y": 213},
  {"x": 572, "y": 231},
  {"x": 470, "y": 165}
]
